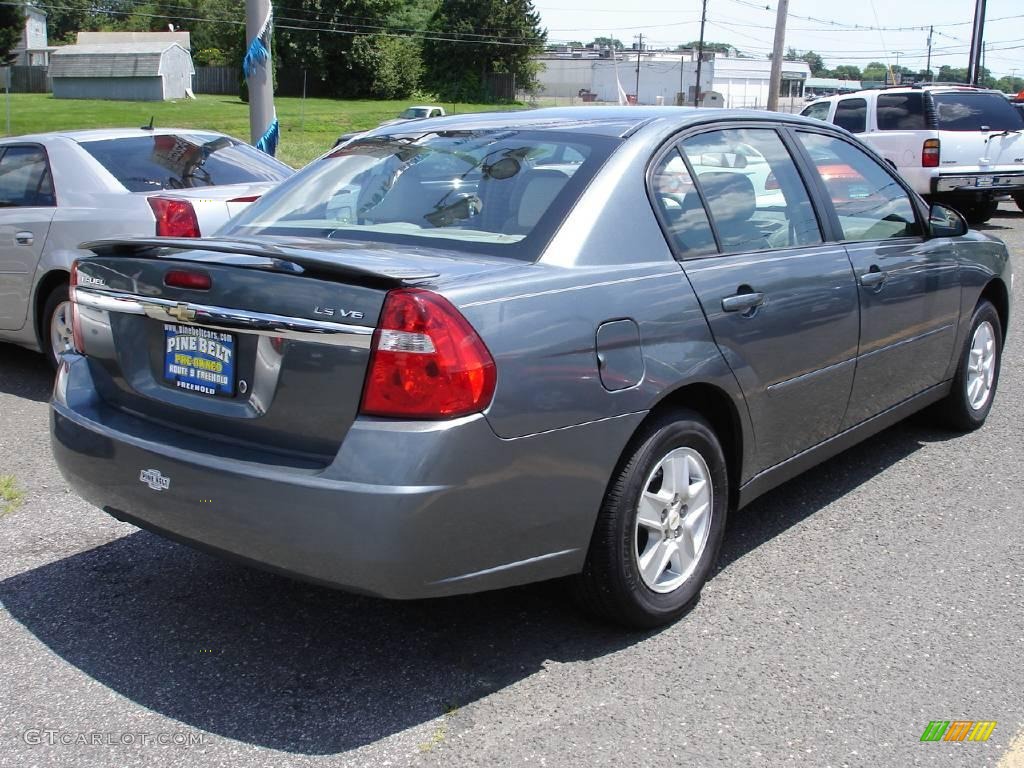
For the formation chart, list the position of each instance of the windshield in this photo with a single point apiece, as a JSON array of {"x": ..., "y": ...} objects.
[
  {"x": 413, "y": 112},
  {"x": 487, "y": 191},
  {"x": 965, "y": 111},
  {"x": 184, "y": 160}
]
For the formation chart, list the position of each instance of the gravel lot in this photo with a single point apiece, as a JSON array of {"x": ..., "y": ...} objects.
[{"x": 853, "y": 605}]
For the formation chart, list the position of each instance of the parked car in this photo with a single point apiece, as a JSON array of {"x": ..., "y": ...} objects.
[
  {"x": 958, "y": 145},
  {"x": 410, "y": 113},
  {"x": 58, "y": 189},
  {"x": 523, "y": 346}
]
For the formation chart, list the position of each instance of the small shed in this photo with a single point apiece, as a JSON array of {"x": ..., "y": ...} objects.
[{"x": 128, "y": 71}]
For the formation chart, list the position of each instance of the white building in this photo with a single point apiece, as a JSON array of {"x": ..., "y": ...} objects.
[
  {"x": 32, "y": 49},
  {"x": 153, "y": 71},
  {"x": 743, "y": 82}
]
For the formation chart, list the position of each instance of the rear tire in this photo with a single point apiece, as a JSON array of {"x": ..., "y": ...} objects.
[
  {"x": 969, "y": 401},
  {"x": 1019, "y": 200},
  {"x": 660, "y": 527},
  {"x": 977, "y": 212},
  {"x": 55, "y": 325}
]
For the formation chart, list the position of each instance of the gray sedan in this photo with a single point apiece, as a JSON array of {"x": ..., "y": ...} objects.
[
  {"x": 58, "y": 189},
  {"x": 486, "y": 350}
]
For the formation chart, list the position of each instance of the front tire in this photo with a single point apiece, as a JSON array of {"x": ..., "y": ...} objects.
[
  {"x": 55, "y": 326},
  {"x": 660, "y": 527},
  {"x": 974, "y": 386}
]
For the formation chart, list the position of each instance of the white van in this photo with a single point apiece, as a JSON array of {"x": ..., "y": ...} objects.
[{"x": 958, "y": 145}]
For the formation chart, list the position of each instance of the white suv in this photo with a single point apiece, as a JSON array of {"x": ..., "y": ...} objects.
[{"x": 955, "y": 144}]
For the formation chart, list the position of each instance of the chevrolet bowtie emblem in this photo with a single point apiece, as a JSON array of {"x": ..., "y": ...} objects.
[{"x": 182, "y": 313}]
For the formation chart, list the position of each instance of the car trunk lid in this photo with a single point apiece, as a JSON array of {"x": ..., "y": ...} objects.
[{"x": 272, "y": 348}]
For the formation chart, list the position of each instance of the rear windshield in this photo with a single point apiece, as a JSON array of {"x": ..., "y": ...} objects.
[
  {"x": 965, "y": 111},
  {"x": 491, "y": 191},
  {"x": 184, "y": 160},
  {"x": 414, "y": 112}
]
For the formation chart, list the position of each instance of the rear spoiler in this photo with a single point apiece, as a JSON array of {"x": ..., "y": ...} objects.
[{"x": 269, "y": 256}]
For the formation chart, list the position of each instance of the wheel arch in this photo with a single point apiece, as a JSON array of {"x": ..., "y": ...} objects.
[
  {"x": 995, "y": 292},
  {"x": 720, "y": 410},
  {"x": 44, "y": 287}
]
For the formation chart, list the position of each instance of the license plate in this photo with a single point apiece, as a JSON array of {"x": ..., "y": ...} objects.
[
  {"x": 199, "y": 360},
  {"x": 984, "y": 181}
]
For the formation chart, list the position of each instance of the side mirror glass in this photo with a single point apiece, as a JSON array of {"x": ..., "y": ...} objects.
[{"x": 943, "y": 221}]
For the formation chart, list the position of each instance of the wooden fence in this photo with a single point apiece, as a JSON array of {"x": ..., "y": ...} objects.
[
  {"x": 25, "y": 79},
  {"x": 219, "y": 80}
]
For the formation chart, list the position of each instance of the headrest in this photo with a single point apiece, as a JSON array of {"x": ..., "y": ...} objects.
[
  {"x": 730, "y": 195},
  {"x": 540, "y": 191}
]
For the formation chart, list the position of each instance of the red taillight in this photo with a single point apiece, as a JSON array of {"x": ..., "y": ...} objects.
[
  {"x": 246, "y": 199},
  {"x": 930, "y": 154},
  {"x": 174, "y": 218},
  {"x": 771, "y": 182},
  {"x": 76, "y": 322},
  {"x": 181, "y": 278},
  {"x": 427, "y": 362}
]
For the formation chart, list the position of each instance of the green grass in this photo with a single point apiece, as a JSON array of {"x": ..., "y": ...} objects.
[
  {"x": 306, "y": 129},
  {"x": 10, "y": 495}
]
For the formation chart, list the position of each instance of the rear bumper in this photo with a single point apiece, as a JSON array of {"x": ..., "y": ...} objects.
[
  {"x": 405, "y": 511},
  {"x": 979, "y": 183}
]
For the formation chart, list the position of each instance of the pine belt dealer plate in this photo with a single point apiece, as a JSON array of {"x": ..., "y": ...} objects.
[{"x": 199, "y": 360}]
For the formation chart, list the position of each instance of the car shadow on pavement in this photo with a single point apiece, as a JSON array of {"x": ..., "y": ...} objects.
[
  {"x": 25, "y": 374},
  {"x": 268, "y": 661},
  {"x": 782, "y": 508}
]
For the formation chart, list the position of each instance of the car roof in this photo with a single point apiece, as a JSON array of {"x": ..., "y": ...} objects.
[
  {"x": 100, "y": 134},
  {"x": 897, "y": 89},
  {"x": 603, "y": 121}
]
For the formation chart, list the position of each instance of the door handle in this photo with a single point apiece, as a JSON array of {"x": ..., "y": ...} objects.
[
  {"x": 24, "y": 238},
  {"x": 743, "y": 302},
  {"x": 874, "y": 277}
]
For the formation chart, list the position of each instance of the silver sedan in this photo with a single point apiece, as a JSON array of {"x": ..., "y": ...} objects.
[{"x": 60, "y": 189}]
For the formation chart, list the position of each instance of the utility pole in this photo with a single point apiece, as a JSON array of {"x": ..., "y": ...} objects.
[
  {"x": 682, "y": 93},
  {"x": 259, "y": 78},
  {"x": 895, "y": 72},
  {"x": 928, "y": 66},
  {"x": 700, "y": 53},
  {"x": 777, "y": 49},
  {"x": 639, "y": 50},
  {"x": 977, "y": 35}
]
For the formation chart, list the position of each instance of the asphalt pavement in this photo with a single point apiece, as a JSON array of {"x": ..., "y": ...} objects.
[{"x": 852, "y": 606}]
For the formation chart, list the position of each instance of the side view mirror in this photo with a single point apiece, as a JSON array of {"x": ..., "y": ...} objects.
[{"x": 943, "y": 221}]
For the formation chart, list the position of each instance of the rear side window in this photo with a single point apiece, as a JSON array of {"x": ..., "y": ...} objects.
[
  {"x": 183, "y": 161},
  {"x": 753, "y": 189},
  {"x": 851, "y": 114},
  {"x": 901, "y": 112},
  {"x": 973, "y": 111},
  {"x": 819, "y": 110},
  {"x": 25, "y": 179},
  {"x": 681, "y": 208}
]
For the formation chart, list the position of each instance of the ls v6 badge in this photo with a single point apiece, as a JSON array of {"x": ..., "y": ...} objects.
[{"x": 332, "y": 312}]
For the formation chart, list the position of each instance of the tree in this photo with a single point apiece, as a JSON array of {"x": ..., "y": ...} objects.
[
  {"x": 875, "y": 71},
  {"x": 458, "y": 61},
  {"x": 815, "y": 63},
  {"x": 12, "y": 25},
  {"x": 708, "y": 46},
  {"x": 847, "y": 72},
  {"x": 608, "y": 42}
]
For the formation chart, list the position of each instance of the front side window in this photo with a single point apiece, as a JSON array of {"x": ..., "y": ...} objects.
[
  {"x": 851, "y": 114},
  {"x": 485, "y": 190},
  {"x": 869, "y": 202},
  {"x": 682, "y": 210},
  {"x": 25, "y": 179},
  {"x": 754, "y": 192},
  {"x": 183, "y": 161},
  {"x": 819, "y": 110},
  {"x": 901, "y": 112}
]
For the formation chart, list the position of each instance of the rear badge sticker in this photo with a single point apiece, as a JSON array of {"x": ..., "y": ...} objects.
[{"x": 199, "y": 360}]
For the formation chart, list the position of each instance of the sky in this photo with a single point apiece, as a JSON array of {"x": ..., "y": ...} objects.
[{"x": 842, "y": 33}]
